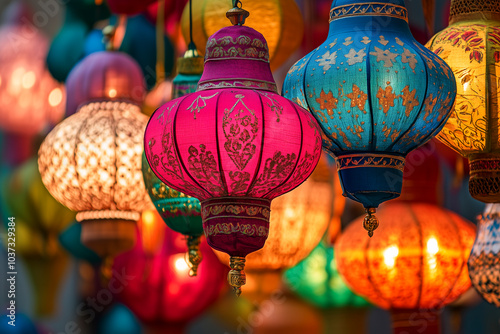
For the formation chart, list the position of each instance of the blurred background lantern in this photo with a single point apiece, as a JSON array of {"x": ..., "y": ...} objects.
[
  {"x": 128, "y": 7},
  {"x": 317, "y": 281},
  {"x": 91, "y": 162},
  {"x": 298, "y": 222},
  {"x": 161, "y": 290},
  {"x": 30, "y": 99},
  {"x": 376, "y": 93},
  {"x": 250, "y": 144},
  {"x": 180, "y": 212},
  {"x": 415, "y": 262},
  {"x": 471, "y": 47},
  {"x": 24, "y": 325},
  {"x": 152, "y": 232},
  {"x": 190, "y": 68},
  {"x": 39, "y": 219},
  {"x": 484, "y": 260},
  {"x": 280, "y": 21},
  {"x": 70, "y": 240},
  {"x": 119, "y": 320}
]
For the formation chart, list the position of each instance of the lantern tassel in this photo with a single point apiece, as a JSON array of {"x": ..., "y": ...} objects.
[
  {"x": 194, "y": 254},
  {"x": 371, "y": 221},
  {"x": 236, "y": 276}
]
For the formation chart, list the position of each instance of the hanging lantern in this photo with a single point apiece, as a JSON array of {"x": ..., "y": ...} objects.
[
  {"x": 415, "y": 262},
  {"x": 484, "y": 263},
  {"x": 471, "y": 47},
  {"x": 280, "y": 21},
  {"x": 317, "y": 280},
  {"x": 190, "y": 69},
  {"x": 376, "y": 93},
  {"x": 298, "y": 222},
  {"x": 30, "y": 99},
  {"x": 120, "y": 320},
  {"x": 152, "y": 231},
  {"x": 91, "y": 162},
  {"x": 167, "y": 294},
  {"x": 250, "y": 144},
  {"x": 180, "y": 212}
]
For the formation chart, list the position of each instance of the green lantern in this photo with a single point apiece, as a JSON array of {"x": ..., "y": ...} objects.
[
  {"x": 190, "y": 71},
  {"x": 180, "y": 212}
]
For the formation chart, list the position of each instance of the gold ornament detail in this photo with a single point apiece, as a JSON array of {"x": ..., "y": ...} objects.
[
  {"x": 236, "y": 275},
  {"x": 371, "y": 9},
  {"x": 194, "y": 254},
  {"x": 370, "y": 223}
]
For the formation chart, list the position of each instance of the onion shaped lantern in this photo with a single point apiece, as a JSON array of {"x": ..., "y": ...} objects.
[
  {"x": 234, "y": 144},
  {"x": 471, "y": 47},
  {"x": 91, "y": 162},
  {"x": 484, "y": 259},
  {"x": 376, "y": 93}
]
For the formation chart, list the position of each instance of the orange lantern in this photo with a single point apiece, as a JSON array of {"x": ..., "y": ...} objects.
[
  {"x": 416, "y": 261},
  {"x": 30, "y": 99}
]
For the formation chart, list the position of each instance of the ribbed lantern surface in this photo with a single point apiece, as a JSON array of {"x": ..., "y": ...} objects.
[
  {"x": 376, "y": 93},
  {"x": 234, "y": 144}
]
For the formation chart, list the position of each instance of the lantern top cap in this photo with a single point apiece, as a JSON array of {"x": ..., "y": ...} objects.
[
  {"x": 237, "y": 15},
  {"x": 353, "y": 8}
]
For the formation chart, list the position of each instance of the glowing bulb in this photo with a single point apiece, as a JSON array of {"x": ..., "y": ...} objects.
[
  {"x": 180, "y": 264},
  {"x": 29, "y": 79},
  {"x": 112, "y": 92},
  {"x": 148, "y": 217},
  {"x": 55, "y": 97},
  {"x": 432, "y": 246},
  {"x": 390, "y": 255}
]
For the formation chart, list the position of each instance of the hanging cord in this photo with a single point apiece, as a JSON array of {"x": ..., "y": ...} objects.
[{"x": 160, "y": 42}]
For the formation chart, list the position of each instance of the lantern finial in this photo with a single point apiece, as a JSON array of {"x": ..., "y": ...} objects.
[
  {"x": 371, "y": 222},
  {"x": 237, "y": 15},
  {"x": 236, "y": 275},
  {"x": 194, "y": 254}
]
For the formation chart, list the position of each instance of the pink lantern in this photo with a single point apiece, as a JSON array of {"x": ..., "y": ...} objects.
[
  {"x": 234, "y": 144},
  {"x": 30, "y": 99},
  {"x": 118, "y": 78}
]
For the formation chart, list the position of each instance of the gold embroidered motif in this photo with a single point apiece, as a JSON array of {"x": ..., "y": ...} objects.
[
  {"x": 370, "y": 160},
  {"x": 248, "y": 48},
  {"x": 354, "y": 57},
  {"x": 328, "y": 102},
  {"x": 386, "y": 98},
  {"x": 384, "y": 55},
  {"x": 197, "y": 105},
  {"x": 358, "y": 98},
  {"x": 247, "y": 84},
  {"x": 409, "y": 100},
  {"x": 246, "y": 229},
  {"x": 372, "y": 9}
]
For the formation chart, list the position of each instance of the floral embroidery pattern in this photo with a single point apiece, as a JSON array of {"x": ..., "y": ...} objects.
[
  {"x": 384, "y": 55},
  {"x": 409, "y": 100},
  {"x": 209, "y": 211},
  {"x": 429, "y": 105},
  {"x": 240, "y": 128},
  {"x": 372, "y": 9},
  {"x": 274, "y": 105},
  {"x": 327, "y": 101},
  {"x": 354, "y": 57},
  {"x": 197, "y": 105},
  {"x": 372, "y": 160},
  {"x": 276, "y": 169},
  {"x": 216, "y": 48},
  {"x": 327, "y": 60},
  {"x": 358, "y": 98},
  {"x": 386, "y": 98},
  {"x": 409, "y": 58},
  {"x": 203, "y": 167}
]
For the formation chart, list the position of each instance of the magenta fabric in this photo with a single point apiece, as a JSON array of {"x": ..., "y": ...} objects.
[
  {"x": 234, "y": 138},
  {"x": 158, "y": 292},
  {"x": 111, "y": 75}
]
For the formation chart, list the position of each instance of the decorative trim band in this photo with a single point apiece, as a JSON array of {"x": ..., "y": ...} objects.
[
  {"x": 369, "y": 8},
  {"x": 245, "y": 229},
  {"x": 108, "y": 214},
  {"x": 484, "y": 165},
  {"x": 370, "y": 160},
  {"x": 240, "y": 208},
  {"x": 246, "y": 84}
]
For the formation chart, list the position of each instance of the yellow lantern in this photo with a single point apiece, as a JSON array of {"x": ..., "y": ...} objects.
[
  {"x": 280, "y": 21},
  {"x": 471, "y": 47},
  {"x": 299, "y": 220}
]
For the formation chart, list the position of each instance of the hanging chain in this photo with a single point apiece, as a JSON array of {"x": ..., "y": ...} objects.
[{"x": 237, "y": 3}]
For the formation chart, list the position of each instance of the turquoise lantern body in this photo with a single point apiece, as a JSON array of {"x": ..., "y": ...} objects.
[{"x": 376, "y": 93}]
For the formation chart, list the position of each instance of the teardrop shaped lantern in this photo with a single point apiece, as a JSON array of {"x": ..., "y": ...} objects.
[
  {"x": 234, "y": 144},
  {"x": 471, "y": 47},
  {"x": 376, "y": 93},
  {"x": 484, "y": 263},
  {"x": 91, "y": 162}
]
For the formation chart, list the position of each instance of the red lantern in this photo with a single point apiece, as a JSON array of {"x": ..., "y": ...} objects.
[
  {"x": 113, "y": 76},
  {"x": 234, "y": 144},
  {"x": 161, "y": 289}
]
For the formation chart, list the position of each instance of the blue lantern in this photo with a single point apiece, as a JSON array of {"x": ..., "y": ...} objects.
[{"x": 376, "y": 93}]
